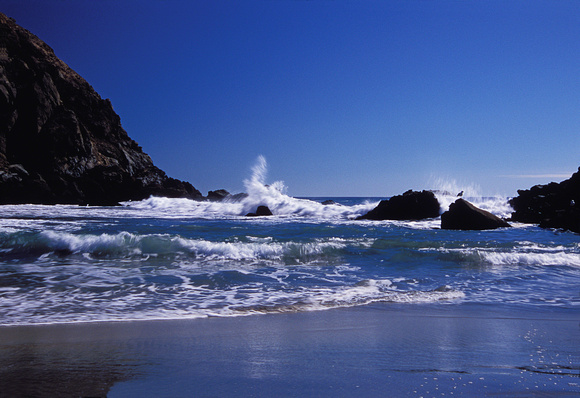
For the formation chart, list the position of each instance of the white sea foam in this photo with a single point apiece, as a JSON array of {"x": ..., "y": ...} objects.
[
  {"x": 200, "y": 302},
  {"x": 186, "y": 298},
  {"x": 86, "y": 243},
  {"x": 259, "y": 193},
  {"x": 556, "y": 258},
  {"x": 447, "y": 191},
  {"x": 125, "y": 244},
  {"x": 362, "y": 293},
  {"x": 527, "y": 254}
]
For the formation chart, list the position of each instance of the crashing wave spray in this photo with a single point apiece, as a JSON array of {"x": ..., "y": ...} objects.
[
  {"x": 447, "y": 191},
  {"x": 259, "y": 193},
  {"x": 274, "y": 196}
]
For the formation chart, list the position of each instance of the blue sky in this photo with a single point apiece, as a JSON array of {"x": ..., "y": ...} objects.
[{"x": 343, "y": 98}]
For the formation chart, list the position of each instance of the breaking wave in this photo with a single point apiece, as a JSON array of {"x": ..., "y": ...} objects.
[
  {"x": 258, "y": 193},
  {"x": 447, "y": 191},
  {"x": 127, "y": 245},
  {"x": 273, "y": 195},
  {"x": 520, "y": 254}
]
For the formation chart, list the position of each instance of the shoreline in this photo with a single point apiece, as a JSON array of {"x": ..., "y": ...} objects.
[
  {"x": 136, "y": 321},
  {"x": 380, "y": 349}
]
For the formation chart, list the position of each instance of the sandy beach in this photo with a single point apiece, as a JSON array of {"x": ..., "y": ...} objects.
[{"x": 376, "y": 350}]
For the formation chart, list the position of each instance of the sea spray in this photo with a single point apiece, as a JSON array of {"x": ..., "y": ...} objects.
[
  {"x": 259, "y": 193},
  {"x": 448, "y": 191},
  {"x": 274, "y": 196}
]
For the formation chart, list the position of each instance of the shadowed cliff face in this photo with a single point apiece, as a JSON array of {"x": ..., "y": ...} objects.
[{"x": 60, "y": 142}]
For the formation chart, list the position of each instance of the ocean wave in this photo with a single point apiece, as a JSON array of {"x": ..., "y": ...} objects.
[
  {"x": 351, "y": 297},
  {"x": 526, "y": 255},
  {"x": 282, "y": 206},
  {"x": 125, "y": 244},
  {"x": 274, "y": 196},
  {"x": 186, "y": 298},
  {"x": 259, "y": 193},
  {"x": 530, "y": 258}
]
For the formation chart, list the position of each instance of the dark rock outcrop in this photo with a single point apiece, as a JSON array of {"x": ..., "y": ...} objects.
[
  {"x": 465, "y": 216},
  {"x": 260, "y": 212},
  {"x": 412, "y": 205},
  {"x": 555, "y": 205},
  {"x": 60, "y": 142},
  {"x": 218, "y": 195}
]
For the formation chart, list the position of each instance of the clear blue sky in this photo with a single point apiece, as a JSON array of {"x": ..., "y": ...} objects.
[{"x": 343, "y": 98}]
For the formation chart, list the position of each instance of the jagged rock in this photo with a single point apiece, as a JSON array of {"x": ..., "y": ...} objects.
[
  {"x": 260, "y": 212},
  {"x": 555, "y": 205},
  {"x": 60, "y": 142},
  {"x": 465, "y": 216},
  {"x": 218, "y": 195},
  {"x": 412, "y": 205},
  {"x": 329, "y": 202}
]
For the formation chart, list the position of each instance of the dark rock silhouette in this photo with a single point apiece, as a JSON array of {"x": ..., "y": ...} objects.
[
  {"x": 218, "y": 195},
  {"x": 260, "y": 212},
  {"x": 60, "y": 142},
  {"x": 555, "y": 205},
  {"x": 412, "y": 205},
  {"x": 465, "y": 216}
]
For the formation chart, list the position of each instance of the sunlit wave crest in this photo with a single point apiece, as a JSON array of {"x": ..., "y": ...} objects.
[
  {"x": 274, "y": 195},
  {"x": 259, "y": 193}
]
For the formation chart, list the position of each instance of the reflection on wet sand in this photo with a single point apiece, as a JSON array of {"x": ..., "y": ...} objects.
[
  {"x": 382, "y": 349},
  {"x": 64, "y": 361}
]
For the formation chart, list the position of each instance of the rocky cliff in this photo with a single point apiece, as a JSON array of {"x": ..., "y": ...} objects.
[{"x": 60, "y": 142}]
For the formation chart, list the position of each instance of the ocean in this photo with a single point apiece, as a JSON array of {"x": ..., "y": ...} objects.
[{"x": 166, "y": 258}]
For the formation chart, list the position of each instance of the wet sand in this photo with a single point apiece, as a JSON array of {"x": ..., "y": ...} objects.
[{"x": 380, "y": 350}]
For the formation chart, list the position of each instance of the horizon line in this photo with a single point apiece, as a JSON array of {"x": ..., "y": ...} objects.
[{"x": 562, "y": 175}]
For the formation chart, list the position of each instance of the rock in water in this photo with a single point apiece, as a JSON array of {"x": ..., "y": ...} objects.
[
  {"x": 60, "y": 142},
  {"x": 464, "y": 215},
  {"x": 411, "y": 205},
  {"x": 555, "y": 205},
  {"x": 260, "y": 212},
  {"x": 218, "y": 195}
]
